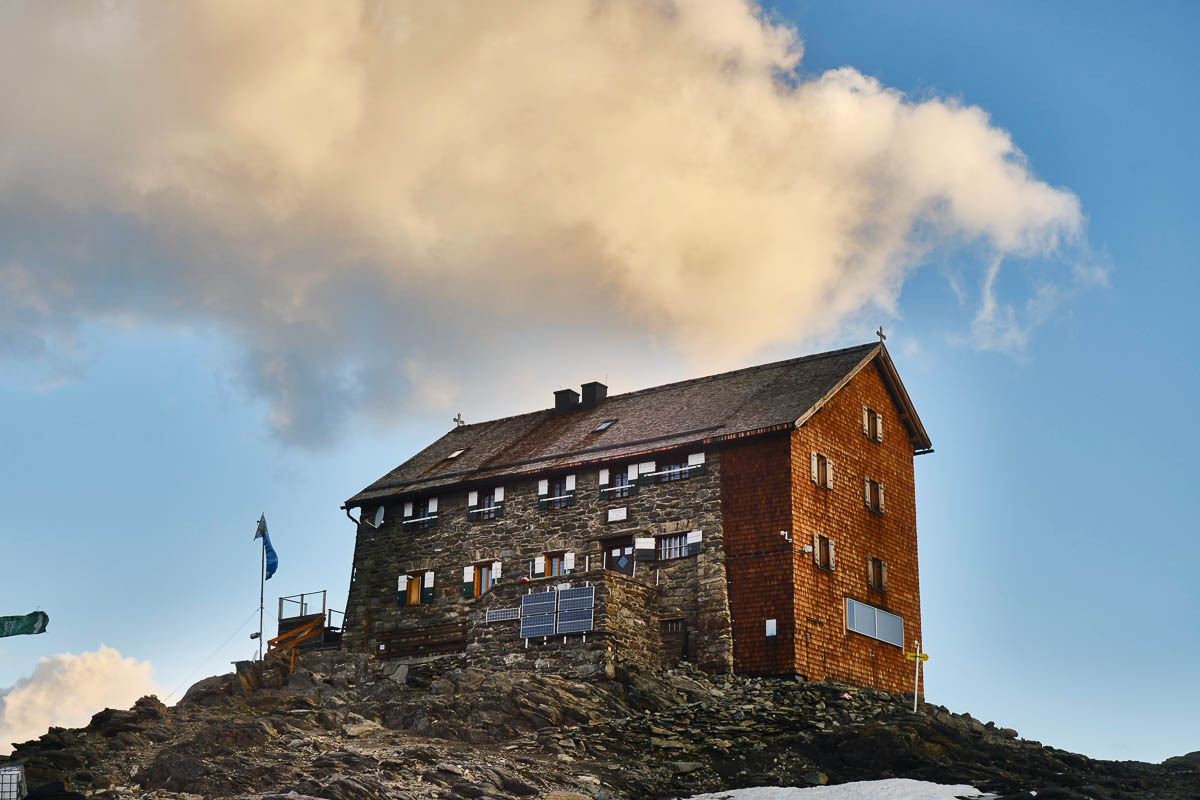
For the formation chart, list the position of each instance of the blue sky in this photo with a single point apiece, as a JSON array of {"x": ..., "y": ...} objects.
[{"x": 144, "y": 434}]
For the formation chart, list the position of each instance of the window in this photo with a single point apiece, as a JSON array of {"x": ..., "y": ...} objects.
[
  {"x": 822, "y": 470},
  {"x": 673, "y": 471},
  {"x": 478, "y": 578},
  {"x": 456, "y": 454},
  {"x": 874, "y": 622},
  {"x": 420, "y": 514},
  {"x": 873, "y": 495},
  {"x": 673, "y": 546},
  {"x": 823, "y": 551},
  {"x": 487, "y": 504},
  {"x": 559, "y": 563},
  {"x": 877, "y": 574},
  {"x": 603, "y": 426},
  {"x": 415, "y": 588},
  {"x": 558, "y": 492},
  {"x": 620, "y": 483},
  {"x": 872, "y": 424}
]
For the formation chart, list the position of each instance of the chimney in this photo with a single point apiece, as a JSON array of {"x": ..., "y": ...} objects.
[
  {"x": 565, "y": 401},
  {"x": 594, "y": 394}
]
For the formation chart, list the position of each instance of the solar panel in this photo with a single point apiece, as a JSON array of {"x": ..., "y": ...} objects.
[
  {"x": 537, "y": 625},
  {"x": 540, "y": 603},
  {"x": 503, "y": 614},
  {"x": 571, "y": 599},
  {"x": 579, "y": 621}
]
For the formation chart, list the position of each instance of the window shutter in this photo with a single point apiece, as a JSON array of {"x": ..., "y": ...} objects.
[
  {"x": 569, "y": 562},
  {"x": 646, "y": 472},
  {"x": 543, "y": 487},
  {"x": 468, "y": 582},
  {"x": 817, "y": 549},
  {"x": 832, "y": 560},
  {"x": 499, "y": 494},
  {"x": 694, "y": 540},
  {"x": 870, "y": 572},
  {"x": 867, "y": 492},
  {"x": 695, "y": 459},
  {"x": 878, "y": 427},
  {"x": 880, "y": 490},
  {"x": 427, "y": 588},
  {"x": 570, "y": 483},
  {"x": 603, "y": 480},
  {"x": 539, "y": 567},
  {"x": 496, "y": 572},
  {"x": 814, "y": 466},
  {"x": 883, "y": 575},
  {"x": 866, "y": 422},
  {"x": 633, "y": 473},
  {"x": 408, "y": 510},
  {"x": 472, "y": 499},
  {"x": 432, "y": 506},
  {"x": 402, "y": 590},
  {"x": 829, "y": 473},
  {"x": 643, "y": 548}
]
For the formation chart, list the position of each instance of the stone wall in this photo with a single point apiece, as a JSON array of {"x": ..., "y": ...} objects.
[{"x": 693, "y": 588}]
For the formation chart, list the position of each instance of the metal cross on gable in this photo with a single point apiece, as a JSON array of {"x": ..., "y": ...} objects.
[
  {"x": 880, "y": 334},
  {"x": 458, "y": 420}
]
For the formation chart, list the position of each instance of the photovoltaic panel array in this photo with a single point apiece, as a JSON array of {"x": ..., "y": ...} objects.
[
  {"x": 537, "y": 625},
  {"x": 578, "y": 621},
  {"x": 503, "y": 614},
  {"x": 573, "y": 599}
]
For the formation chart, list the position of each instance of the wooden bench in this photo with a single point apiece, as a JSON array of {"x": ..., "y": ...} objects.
[{"x": 430, "y": 640}]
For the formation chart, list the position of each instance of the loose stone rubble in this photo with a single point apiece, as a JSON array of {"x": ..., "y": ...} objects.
[{"x": 343, "y": 727}]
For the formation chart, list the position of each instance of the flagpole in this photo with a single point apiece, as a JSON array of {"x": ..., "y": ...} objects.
[{"x": 262, "y": 576}]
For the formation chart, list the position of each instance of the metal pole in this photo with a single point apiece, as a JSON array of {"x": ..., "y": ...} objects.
[
  {"x": 262, "y": 579},
  {"x": 916, "y": 674}
]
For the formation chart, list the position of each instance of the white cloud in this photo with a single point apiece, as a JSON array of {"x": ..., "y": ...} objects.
[
  {"x": 67, "y": 689},
  {"x": 352, "y": 188}
]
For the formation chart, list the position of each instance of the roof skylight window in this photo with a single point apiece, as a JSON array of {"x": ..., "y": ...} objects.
[
  {"x": 603, "y": 426},
  {"x": 456, "y": 454}
]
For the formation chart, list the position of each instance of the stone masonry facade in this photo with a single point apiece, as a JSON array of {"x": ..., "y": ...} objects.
[{"x": 691, "y": 589}]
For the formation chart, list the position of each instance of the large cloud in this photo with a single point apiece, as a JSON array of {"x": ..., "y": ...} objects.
[
  {"x": 67, "y": 689},
  {"x": 365, "y": 194}
]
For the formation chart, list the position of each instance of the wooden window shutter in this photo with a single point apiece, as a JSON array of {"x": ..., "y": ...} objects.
[
  {"x": 814, "y": 467},
  {"x": 427, "y": 588},
  {"x": 496, "y": 572},
  {"x": 499, "y": 495},
  {"x": 539, "y": 567},
  {"x": 694, "y": 541},
  {"x": 817, "y": 549},
  {"x": 866, "y": 422},
  {"x": 832, "y": 560},
  {"x": 879, "y": 488},
  {"x": 408, "y": 510},
  {"x": 603, "y": 479},
  {"x": 867, "y": 492},
  {"x": 472, "y": 499},
  {"x": 883, "y": 575},
  {"x": 870, "y": 572},
  {"x": 569, "y": 562},
  {"x": 878, "y": 427},
  {"x": 468, "y": 582},
  {"x": 543, "y": 487},
  {"x": 570, "y": 483},
  {"x": 829, "y": 473},
  {"x": 432, "y": 506}
]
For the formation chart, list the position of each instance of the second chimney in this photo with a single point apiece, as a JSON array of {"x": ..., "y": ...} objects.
[{"x": 594, "y": 394}]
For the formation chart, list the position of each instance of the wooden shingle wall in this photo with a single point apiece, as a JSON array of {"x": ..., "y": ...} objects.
[
  {"x": 824, "y": 649},
  {"x": 755, "y": 493}
]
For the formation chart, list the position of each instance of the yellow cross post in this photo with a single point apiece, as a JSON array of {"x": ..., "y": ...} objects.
[{"x": 916, "y": 657}]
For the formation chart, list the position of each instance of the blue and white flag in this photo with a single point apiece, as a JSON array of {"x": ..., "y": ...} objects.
[{"x": 272, "y": 559}]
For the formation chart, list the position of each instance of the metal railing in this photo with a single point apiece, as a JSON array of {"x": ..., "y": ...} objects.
[{"x": 298, "y": 605}]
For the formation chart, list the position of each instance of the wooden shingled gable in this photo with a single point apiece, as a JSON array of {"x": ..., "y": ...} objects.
[{"x": 745, "y": 402}]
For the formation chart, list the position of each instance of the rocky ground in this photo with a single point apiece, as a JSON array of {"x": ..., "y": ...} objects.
[{"x": 342, "y": 727}]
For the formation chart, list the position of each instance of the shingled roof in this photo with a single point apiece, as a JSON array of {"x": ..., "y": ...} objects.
[{"x": 745, "y": 402}]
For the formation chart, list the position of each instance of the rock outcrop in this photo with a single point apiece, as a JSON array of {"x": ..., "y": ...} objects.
[{"x": 343, "y": 727}]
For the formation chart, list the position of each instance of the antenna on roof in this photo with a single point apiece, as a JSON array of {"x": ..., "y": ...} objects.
[
  {"x": 458, "y": 420},
  {"x": 880, "y": 334}
]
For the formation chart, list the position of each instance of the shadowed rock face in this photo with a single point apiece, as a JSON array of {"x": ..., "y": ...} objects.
[{"x": 346, "y": 728}]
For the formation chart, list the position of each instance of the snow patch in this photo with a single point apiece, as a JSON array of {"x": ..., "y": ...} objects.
[{"x": 888, "y": 789}]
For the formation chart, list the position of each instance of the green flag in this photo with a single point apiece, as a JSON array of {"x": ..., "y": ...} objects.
[{"x": 30, "y": 623}]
